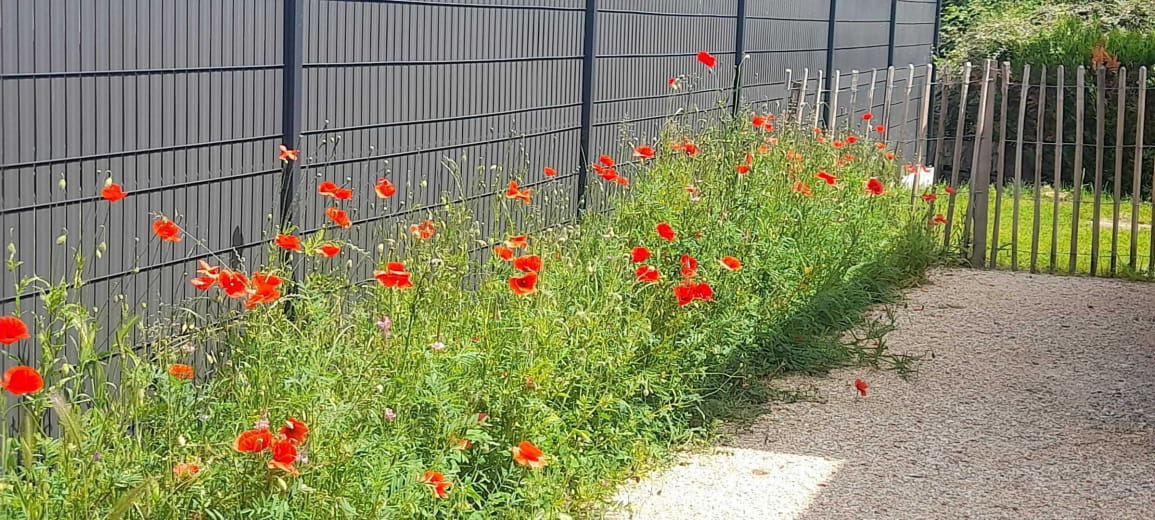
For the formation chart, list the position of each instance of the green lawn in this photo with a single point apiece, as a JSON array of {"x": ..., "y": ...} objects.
[{"x": 1015, "y": 245}]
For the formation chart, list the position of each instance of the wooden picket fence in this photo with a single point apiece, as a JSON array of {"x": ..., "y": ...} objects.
[{"x": 1054, "y": 168}]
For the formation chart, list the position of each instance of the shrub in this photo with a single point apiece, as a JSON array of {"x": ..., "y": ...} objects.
[{"x": 432, "y": 400}]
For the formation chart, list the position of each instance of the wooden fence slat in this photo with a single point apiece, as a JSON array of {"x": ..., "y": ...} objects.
[
  {"x": 1018, "y": 190},
  {"x": 1100, "y": 131},
  {"x": 853, "y": 97},
  {"x": 940, "y": 135},
  {"x": 870, "y": 99},
  {"x": 921, "y": 137},
  {"x": 1040, "y": 135},
  {"x": 981, "y": 170},
  {"x": 1080, "y": 120},
  {"x": 1002, "y": 162},
  {"x": 1117, "y": 186},
  {"x": 818, "y": 98},
  {"x": 887, "y": 102},
  {"x": 905, "y": 111},
  {"x": 802, "y": 95},
  {"x": 960, "y": 127},
  {"x": 1137, "y": 172},
  {"x": 834, "y": 101},
  {"x": 1057, "y": 181}
]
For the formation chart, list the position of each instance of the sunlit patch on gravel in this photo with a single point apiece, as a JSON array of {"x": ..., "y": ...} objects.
[{"x": 728, "y": 483}]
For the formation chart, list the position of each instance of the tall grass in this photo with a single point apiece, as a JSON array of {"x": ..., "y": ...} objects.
[{"x": 602, "y": 372}]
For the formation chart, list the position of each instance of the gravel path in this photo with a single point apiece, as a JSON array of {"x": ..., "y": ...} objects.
[{"x": 1035, "y": 400}]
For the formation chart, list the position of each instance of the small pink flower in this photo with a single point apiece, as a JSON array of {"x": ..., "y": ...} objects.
[
  {"x": 437, "y": 345},
  {"x": 390, "y": 414}
]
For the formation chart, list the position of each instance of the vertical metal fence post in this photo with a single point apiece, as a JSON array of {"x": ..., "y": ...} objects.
[
  {"x": 291, "y": 117},
  {"x": 589, "y": 62},
  {"x": 291, "y": 102},
  {"x": 890, "y": 39},
  {"x": 739, "y": 55},
  {"x": 831, "y": 27}
]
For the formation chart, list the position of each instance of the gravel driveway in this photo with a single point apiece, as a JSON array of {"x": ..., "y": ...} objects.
[{"x": 1035, "y": 400}]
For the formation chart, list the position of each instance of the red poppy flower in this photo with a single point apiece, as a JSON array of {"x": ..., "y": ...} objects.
[
  {"x": 264, "y": 289},
  {"x": 769, "y": 127},
  {"x": 690, "y": 290},
  {"x": 526, "y": 454},
  {"x": 394, "y": 276},
  {"x": 689, "y": 266},
  {"x": 514, "y": 194},
  {"x": 289, "y": 154},
  {"x": 22, "y": 380},
  {"x": 889, "y": 156},
  {"x": 549, "y": 172},
  {"x": 290, "y": 242},
  {"x": 518, "y": 242},
  {"x": 880, "y": 129},
  {"x": 234, "y": 284},
  {"x": 838, "y": 144},
  {"x": 12, "y": 329},
  {"x": 880, "y": 146},
  {"x": 830, "y": 179},
  {"x": 803, "y": 188},
  {"x": 742, "y": 169},
  {"x": 749, "y": 158},
  {"x": 384, "y": 188},
  {"x": 691, "y": 149},
  {"x": 204, "y": 268},
  {"x": 640, "y": 254},
  {"x": 527, "y": 263},
  {"x": 329, "y": 250},
  {"x": 606, "y": 173},
  {"x": 504, "y": 252},
  {"x": 482, "y": 419},
  {"x": 295, "y": 431},
  {"x": 437, "y": 484},
  {"x": 284, "y": 451},
  {"x": 166, "y": 229},
  {"x": 328, "y": 189},
  {"x": 861, "y": 386},
  {"x": 262, "y": 294},
  {"x": 867, "y": 116},
  {"x": 266, "y": 280},
  {"x": 113, "y": 193},
  {"x": 758, "y": 121},
  {"x": 339, "y": 217},
  {"x": 851, "y": 139},
  {"x": 874, "y": 186},
  {"x": 672, "y": 82},
  {"x": 665, "y": 231},
  {"x": 929, "y": 197},
  {"x": 644, "y": 152},
  {"x": 423, "y": 230},
  {"x": 730, "y": 263},
  {"x": 523, "y": 285},
  {"x": 203, "y": 283},
  {"x": 647, "y": 273},
  {"x": 622, "y": 181},
  {"x": 707, "y": 59},
  {"x": 764, "y": 149},
  {"x": 938, "y": 219},
  {"x": 180, "y": 371},
  {"x": 606, "y": 160},
  {"x": 951, "y": 190},
  {"x": 253, "y": 441},
  {"x": 185, "y": 470}
]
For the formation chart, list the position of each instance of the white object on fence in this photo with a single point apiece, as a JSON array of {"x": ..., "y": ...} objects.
[{"x": 925, "y": 178}]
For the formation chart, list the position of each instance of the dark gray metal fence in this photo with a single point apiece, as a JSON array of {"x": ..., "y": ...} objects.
[{"x": 184, "y": 104}]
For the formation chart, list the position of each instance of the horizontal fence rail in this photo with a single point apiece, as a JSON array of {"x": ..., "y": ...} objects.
[{"x": 185, "y": 106}]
